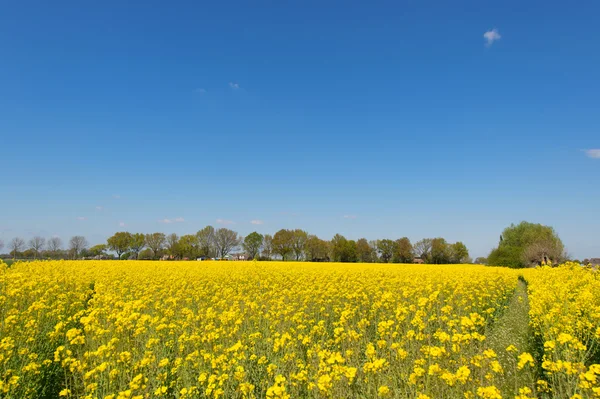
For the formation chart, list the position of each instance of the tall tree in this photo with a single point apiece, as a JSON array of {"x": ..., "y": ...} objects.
[
  {"x": 343, "y": 250},
  {"x": 1, "y": 245},
  {"x": 252, "y": 244},
  {"x": 120, "y": 242},
  {"x": 206, "y": 240},
  {"x": 458, "y": 252},
  {"x": 37, "y": 244},
  {"x": 267, "y": 250},
  {"x": 156, "y": 242},
  {"x": 138, "y": 242},
  {"x": 189, "y": 246},
  {"x": 76, "y": 245},
  {"x": 403, "y": 251},
  {"x": 422, "y": 249},
  {"x": 300, "y": 237},
  {"x": 386, "y": 249},
  {"x": 54, "y": 246},
  {"x": 16, "y": 245},
  {"x": 283, "y": 243},
  {"x": 173, "y": 245},
  {"x": 225, "y": 241},
  {"x": 365, "y": 252},
  {"x": 316, "y": 250},
  {"x": 440, "y": 251}
]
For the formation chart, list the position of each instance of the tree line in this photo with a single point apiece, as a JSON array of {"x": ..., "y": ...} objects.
[{"x": 286, "y": 244}]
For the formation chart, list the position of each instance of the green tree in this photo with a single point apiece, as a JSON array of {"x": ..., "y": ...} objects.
[
  {"x": 283, "y": 243},
  {"x": 343, "y": 250},
  {"x": 138, "y": 242},
  {"x": 365, "y": 252},
  {"x": 403, "y": 251},
  {"x": 299, "y": 243},
  {"x": 385, "y": 248},
  {"x": 440, "y": 251},
  {"x": 98, "y": 250},
  {"x": 527, "y": 244},
  {"x": 252, "y": 244},
  {"x": 120, "y": 242},
  {"x": 172, "y": 246},
  {"x": 146, "y": 254},
  {"x": 317, "y": 250},
  {"x": 189, "y": 246},
  {"x": 458, "y": 252}
]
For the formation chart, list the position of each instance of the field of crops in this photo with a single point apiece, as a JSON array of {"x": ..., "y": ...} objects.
[{"x": 129, "y": 329}]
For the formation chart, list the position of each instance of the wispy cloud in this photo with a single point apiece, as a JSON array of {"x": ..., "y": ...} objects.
[
  {"x": 226, "y": 222},
  {"x": 169, "y": 221},
  {"x": 99, "y": 208},
  {"x": 349, "y": 216},
  {"x": 200, "y": 90},
  {"x": 81, "y": 218},
  {"x": 122, "y": 224},
  {"x": 257, "y": 221},
  {"x": 116, "y": 196},
  {"x": 234, "y": 86},
  {"x": 491, "y": 36},
  {"x": 593, "y": 153}
]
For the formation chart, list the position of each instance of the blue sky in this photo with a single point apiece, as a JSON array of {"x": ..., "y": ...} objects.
[{"x": 376, "y": 119}]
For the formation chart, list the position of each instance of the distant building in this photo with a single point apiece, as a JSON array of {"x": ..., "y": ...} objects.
[
  {"x": 240, "y": 256},
  {"x": 418, "y": 260},
  {"x": 595, "y": 262}
]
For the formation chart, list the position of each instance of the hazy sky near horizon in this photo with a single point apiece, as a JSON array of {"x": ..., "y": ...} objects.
[{"x": 376, "y": 119}]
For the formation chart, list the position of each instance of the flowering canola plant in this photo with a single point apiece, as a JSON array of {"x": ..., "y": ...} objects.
[{"x": 142, "y": 329}]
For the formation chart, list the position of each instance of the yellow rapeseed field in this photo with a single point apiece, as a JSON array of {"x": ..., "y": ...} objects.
[{"x": 141, "y": 329}]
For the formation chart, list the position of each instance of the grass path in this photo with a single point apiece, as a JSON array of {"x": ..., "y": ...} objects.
[{"x": 513, "y": 328}]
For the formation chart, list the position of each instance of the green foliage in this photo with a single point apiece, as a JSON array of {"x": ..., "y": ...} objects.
[
  {"x": 252, "y": 244},
  {"x": 120, "y": 243},
  {"x": 316, "y": 250},
  {"x": 385, "y": 248},
  {"x": 525, "y": 244},
  {"x": 343, "y": 250},
  {"x": 458, "y": 252},
  {"x": 403, "y": 251},
  {"x": 98, "y": 250},
  {"x": 283, "y": 243},
  {"x": 440, "y": 251},
  {"x": 365, "y": 252}
]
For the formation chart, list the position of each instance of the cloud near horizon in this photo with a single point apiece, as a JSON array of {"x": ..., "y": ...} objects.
[
  {"x": 234, "y": 86},
  {"x": 349, "y": 216},
  {"x": 122, "y": 224},
  {"x": 226, "y": 222},
  {"x": 257, "y": 221},
  {"x": 491, "y": 36},
  {"x": 81, "y": 218},
  {"x": 593, "y": 153}
]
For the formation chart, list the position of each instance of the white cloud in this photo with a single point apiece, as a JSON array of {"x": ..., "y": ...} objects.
[
  {"x": 257, "y": 221},
  {"x": 349, "y": 216},
  {"x": 169, "y": 221},
  {"x": 81, "y": 218},
  {"x": 116, "y": 196},
  {"x": 593, "y": 153},
  {"x": 234, "y": 86},
  {"x": 201, "y": 90},
  {"x": 122, "y": 224},
  {"x": 99, "y": 208},
  {"x": 223, "y": 221},
  {"x": 491, "y": 36}
]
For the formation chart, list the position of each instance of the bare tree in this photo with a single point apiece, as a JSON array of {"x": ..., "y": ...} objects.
[
  {"x": 37, "y": 244},
  {"x": 1, "y": 245},
  {"x": 225, "y": 241},
  {"x": 54, "y": 246},
  {"x": 423, "y": 249},
  {"x": 156, "y": 242},
  {"x": 76, "y": 245},
  {"x": 16, "y": 245},
  {"x": 267, "y": 250}
]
